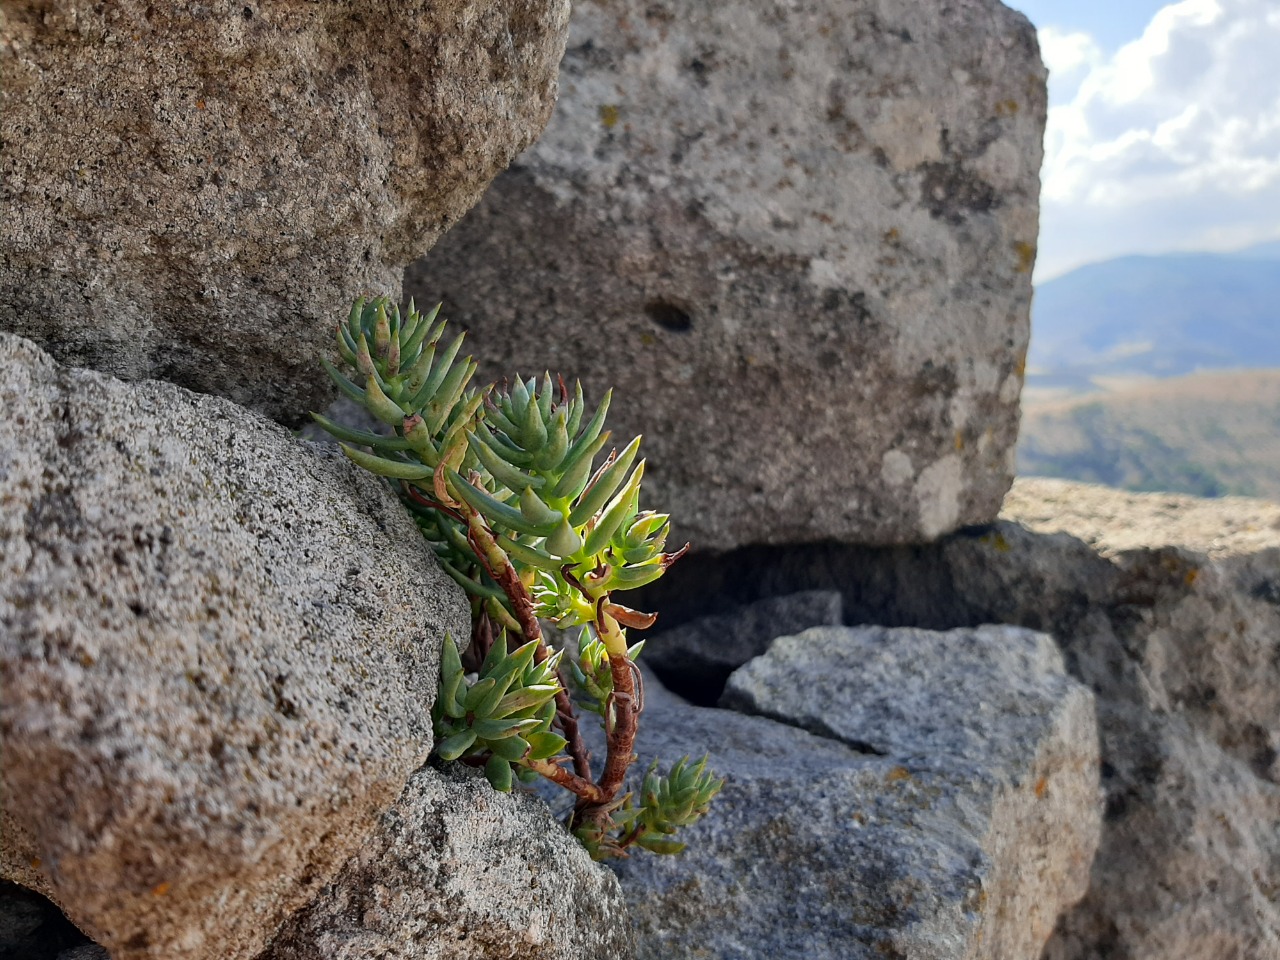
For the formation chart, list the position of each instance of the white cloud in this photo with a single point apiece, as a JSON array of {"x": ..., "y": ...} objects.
[
  {"x": 1144, "y": 146},
  {"x": 1068, "y": 55}
]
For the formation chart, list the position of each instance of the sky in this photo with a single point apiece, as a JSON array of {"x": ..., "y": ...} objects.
[{"x": 1164, "y": 127}]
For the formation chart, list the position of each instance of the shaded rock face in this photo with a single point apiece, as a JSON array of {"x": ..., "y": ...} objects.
[
  {"x": 915, "y": 794},
  {"x": 218, "y": 650},
  {"x": 797, "y": 239},
  {"x": 456, "y": 871},
  {"x": 196, "y": 192},
  {"x": 1168, "y": 609}
]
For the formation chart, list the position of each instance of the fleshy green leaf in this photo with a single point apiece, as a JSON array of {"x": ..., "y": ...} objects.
[
  {"x": 455, "y": 746},
  {"x": 499, "y": 773}
]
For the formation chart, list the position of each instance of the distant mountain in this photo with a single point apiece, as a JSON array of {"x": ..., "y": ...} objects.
[
  {"x": 1262, "y": 251},
  {"x": 1163, "y": 316},
  {"x": 1209, "y": 434}
]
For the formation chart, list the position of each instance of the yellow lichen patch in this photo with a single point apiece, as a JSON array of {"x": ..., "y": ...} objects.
[
  {"x": 897, "y": 774},
  {"x": 1006, "y": 108},
  {"x": 998, "y": 542},
  {"x": 1042, "y": 788},
  {"x": 609, "y": 115},
  {"x": 160, "y": 889},
  {"x": 1026, "y": 253}
]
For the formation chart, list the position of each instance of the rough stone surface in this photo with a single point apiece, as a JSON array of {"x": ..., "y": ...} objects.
[
  {"x": 196, "y": 192},
  {"x": 797, "y": 238},
  {"x": 957, "y": 829},
  {"x": 218, "y": 650},
  {"x": 1168, "y": 608},
  {"x": 458, "y": 871},
  {"x": 700, "y": 655},
  {"x": 1114, "y": 521}
]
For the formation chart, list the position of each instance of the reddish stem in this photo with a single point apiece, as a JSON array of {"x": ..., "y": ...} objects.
[
  {"x": 587, "y": 791},
  {"x": 622, "y": 733}
]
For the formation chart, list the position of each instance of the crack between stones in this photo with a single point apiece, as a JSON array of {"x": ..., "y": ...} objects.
[{"x": 818, "y": 730}]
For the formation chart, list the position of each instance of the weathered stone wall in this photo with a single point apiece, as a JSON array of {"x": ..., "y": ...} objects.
[
  {"x": 798, "y": 239},
  {"x": 1168, "y": 608}
]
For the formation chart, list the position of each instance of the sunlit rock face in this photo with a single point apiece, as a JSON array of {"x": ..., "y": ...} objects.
[
  {"x": 218, "y": 649},
  {"x": 797, "y": 238},
  {"x": 195, "y": 192}
]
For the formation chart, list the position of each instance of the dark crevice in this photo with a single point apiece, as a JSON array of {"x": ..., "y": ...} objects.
[
  {"x": 33, "y": 928},
  {"x": 702, "y": 687}
]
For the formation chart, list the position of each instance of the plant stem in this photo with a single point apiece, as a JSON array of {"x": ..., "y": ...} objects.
[
  {"x": 585, "y": 789},
  {"x": 622, "y": 732},
  {"x": 499, "y": 567},
  {"x": 567, "y": 721}
]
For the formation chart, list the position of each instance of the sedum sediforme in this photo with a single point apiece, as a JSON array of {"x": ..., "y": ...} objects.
[{"x": 508, "y": 485}]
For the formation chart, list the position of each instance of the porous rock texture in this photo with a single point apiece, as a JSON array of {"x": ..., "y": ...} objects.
[
  {"x": 797, "y": 238},
  {"x": 1168, "y": 608},
  {"x": 195, "y": 192},
  {"x": 457, "y": 871},
  {"x": 916, "y": 794},
  {"x": 218, "y": 651}
]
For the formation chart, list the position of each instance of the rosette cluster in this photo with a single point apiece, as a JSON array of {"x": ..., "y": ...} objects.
[
  {"x": 667, "y": 803},
  {"x": 507, "y": 713},
  {"x": 505, "y": 485},
  {"x": 522, "y": 457}
]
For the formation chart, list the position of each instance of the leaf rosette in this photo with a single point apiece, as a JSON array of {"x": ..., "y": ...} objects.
[{"x": 504, "y": 484}]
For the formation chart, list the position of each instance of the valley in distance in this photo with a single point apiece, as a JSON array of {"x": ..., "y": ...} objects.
[{"x": 1158, "y": 373}]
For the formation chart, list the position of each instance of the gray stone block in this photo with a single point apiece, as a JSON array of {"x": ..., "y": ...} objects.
[
  {"x": 457, "y": 871},
  {"x": 796, "y": 238},
  {"x": 949, "y": 808},
  {"x": 196, "y": 192}
]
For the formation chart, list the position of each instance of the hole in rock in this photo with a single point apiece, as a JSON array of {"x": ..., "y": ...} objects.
[
  {"x": 669, "y": 316},
  {"x": 33, "y": 928},
  {"x": 702, "y": 687}
]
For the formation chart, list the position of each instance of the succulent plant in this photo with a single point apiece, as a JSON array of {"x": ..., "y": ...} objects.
[
  {"x": 506, "y": 713},
  {"x": 503, "y": 482}
]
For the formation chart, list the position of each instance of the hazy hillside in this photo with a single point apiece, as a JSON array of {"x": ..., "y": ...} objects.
[
  {"x": 1209, "y": 434},
  {"x": 1142, "y": 317}
]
